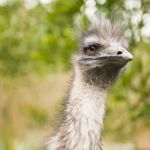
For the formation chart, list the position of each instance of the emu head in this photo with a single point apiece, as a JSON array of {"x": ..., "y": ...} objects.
[{"x": 103, "y": 53}]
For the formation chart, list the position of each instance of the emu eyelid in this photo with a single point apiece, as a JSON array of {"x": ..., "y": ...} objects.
[{"x": 96, "y": 45}]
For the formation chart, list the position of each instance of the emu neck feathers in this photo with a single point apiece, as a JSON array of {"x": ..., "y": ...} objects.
[{"x": 82, "y": 124}]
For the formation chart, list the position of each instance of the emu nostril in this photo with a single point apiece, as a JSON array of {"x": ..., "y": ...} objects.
[{"x": 119, "y": 52}]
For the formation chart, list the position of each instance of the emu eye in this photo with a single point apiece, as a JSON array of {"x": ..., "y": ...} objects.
[{"x": 91, "y": 50}]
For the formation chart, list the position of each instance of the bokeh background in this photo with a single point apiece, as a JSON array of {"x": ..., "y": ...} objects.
[{"x": 37, "y": 39}]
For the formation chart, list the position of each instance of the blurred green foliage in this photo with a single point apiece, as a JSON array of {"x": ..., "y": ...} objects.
[
  {"x": 43, "y": 38},
  {"x": 36, "y": 39},
  {"x": 38, "y": 116},
  {"x": 40, "y": 38}
]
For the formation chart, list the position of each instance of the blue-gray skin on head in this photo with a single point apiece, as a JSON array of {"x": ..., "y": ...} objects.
[{"x": 103, "y": 53}]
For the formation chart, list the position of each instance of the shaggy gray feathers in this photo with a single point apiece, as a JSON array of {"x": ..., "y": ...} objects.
[
  {"x": 82, "y": 123},
  {"x": 104, "y": 29}
]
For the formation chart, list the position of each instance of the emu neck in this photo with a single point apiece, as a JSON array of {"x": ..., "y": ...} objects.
[
  {"x": 82, "y": 123},
  {"x": 83, "y": 116}
]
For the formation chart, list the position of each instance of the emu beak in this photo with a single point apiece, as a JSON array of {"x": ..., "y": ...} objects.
[
  {"x": 121, "y": 57},
  {"x": 125, "y": 55}
]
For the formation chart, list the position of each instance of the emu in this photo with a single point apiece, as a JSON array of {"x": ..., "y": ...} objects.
[{"x": 101, "y": 56}]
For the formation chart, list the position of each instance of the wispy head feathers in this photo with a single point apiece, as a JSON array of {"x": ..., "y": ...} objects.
[{"x": 105, "y": 30}]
